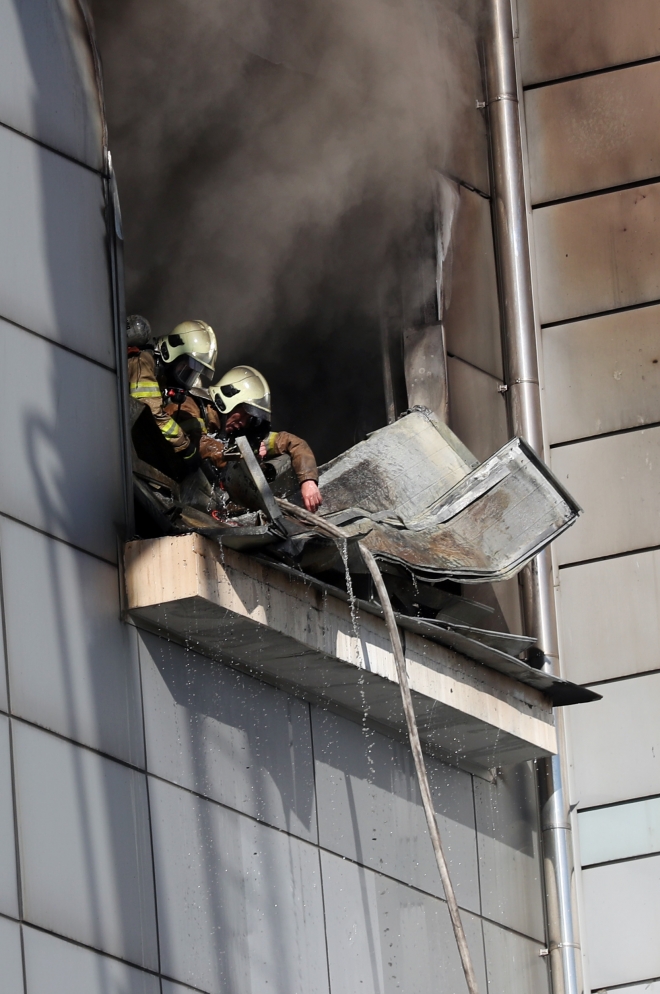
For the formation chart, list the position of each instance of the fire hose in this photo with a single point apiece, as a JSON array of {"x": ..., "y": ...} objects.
[{"x": 413, "y": 732}]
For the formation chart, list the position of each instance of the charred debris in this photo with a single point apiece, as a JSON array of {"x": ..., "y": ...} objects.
[{"x": 432, "y": 516}]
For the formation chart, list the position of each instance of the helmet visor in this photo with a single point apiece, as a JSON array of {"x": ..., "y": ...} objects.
[{"x": 186, "y": 371}]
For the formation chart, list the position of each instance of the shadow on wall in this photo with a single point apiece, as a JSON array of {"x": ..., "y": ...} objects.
[{"x": 273, "y": 164}]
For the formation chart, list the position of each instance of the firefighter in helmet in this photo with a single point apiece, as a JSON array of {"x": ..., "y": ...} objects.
[
  {"x": 161, "y": 375},
  {"x": 242, "y": 397}
]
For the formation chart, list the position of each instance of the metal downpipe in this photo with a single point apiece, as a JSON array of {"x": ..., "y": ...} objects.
[{"x": 519, "y": 339}]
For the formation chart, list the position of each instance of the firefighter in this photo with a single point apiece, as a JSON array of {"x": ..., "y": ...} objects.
[
  {"x": 161, "y": 375},
  {"x": 242, "y": 397}
]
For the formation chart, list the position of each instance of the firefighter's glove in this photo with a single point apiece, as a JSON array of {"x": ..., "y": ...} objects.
[
  {"x": 311, "y": 495},
  {"x": 213, "y": 449}
]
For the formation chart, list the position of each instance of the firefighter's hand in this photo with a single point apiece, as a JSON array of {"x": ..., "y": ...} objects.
[
  {"x": 263, "y": 450},
  {"x": 311, "y": 495},
  {"x": 213, "y": 449}
]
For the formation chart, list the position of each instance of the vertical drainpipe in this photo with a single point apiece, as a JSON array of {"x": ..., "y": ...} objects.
[{"x": 519, "y": 336}]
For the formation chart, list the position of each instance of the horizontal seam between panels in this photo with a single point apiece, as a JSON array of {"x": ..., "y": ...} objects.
[
  {"x": 620, "y": 679},
  {"x": 57, "y": 538},
  {"x": 603, "y": 192},
  {"x": 626, "y": 986},
  {"x": 591, "y": 72},
  {"x": 83, "y": 945},
  {"x": 605, "y": 434},
  {"x": 59, "y": 345},
  {"x": 621, "y": 859},
  {"x": 618, "y": 804},
  {"x": 601, "y": 314},
  {"x": 55, "y": 151},
  {"x": 613, "y": 555}
]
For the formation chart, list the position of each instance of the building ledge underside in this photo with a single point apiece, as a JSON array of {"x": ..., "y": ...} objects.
[{"x": 279, "y": 627}]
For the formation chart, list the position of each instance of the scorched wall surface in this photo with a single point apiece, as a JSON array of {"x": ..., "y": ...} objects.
[{"x": 167, "y": 825}]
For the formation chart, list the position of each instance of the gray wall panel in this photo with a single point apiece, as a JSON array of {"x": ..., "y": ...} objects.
[
  {"x": 602, "y": 374},
  {"x": 616, "y": 480},
  {"x": 472, "y": 317},
  {"x": 509, "y": 860},
  {"x": 384, "y": 937},
  {"x": 4, "y": 700},
  {"x": 239, "y": 903},
  {"x": 620, "y": 832},
  {"x": 54, "y": 966},
  {"x": 11, "y": 960},
  {"x": 53, "y": 259},
  {"x": 598, "y": 254},
  {"x": 609, "y": 616},
  {"x": 370, "y": 809},
  {"x": 477, "y": 411},
  {"x": 229, "y": 737},
  {"x": 564, "y": 38},
  {"x": 47, "y": 86},
  {"x": 622, "y": 905},
  {"x": 169, "y": 987},
  {"x": 84, "y": 842},
  {"x": 8, "y": 881},
  {"x": 593, "y": 133},
  {"x": 60, "y": 465},
  {"x": 514, "y": 964},
  {"x": 76, "y": 671},
  {"x": 615, "y": 743}
]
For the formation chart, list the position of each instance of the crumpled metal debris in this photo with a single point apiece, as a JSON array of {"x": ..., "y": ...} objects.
[{"x": 418, "y": 499}]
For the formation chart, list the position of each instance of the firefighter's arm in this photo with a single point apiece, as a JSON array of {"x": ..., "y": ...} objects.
[
  {"x": 144, "y": 388},
  {"x": 303, "y": 463}
]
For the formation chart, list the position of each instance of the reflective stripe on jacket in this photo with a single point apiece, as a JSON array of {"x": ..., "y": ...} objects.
[{"x": 143, "y": 386}]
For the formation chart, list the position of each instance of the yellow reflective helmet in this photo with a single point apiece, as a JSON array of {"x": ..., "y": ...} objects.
[
  {"x": 243, "y": 386},
  {"x": 191, "y": 349}
]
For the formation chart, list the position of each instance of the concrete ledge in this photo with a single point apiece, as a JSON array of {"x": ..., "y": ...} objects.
[{"x": 238, "y": 611}]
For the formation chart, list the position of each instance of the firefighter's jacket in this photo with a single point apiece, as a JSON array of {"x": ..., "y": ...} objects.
[
  {"x": 279, "y": 443},
  {"x": 144, "y": 387}
]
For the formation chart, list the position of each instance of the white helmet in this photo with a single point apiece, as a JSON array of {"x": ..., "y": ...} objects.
[
  {"x": 243, "y": 386},
  {"x": 191, "y": 349}
]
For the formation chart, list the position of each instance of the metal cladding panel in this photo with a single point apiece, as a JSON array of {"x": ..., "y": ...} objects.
[
  {"x": 564, "y": 38},
  {"x": 8, "y": 892},
  {"x": 169, "y": 987},
  {"x": 60, "y": 467},
  {"x": 84, "y": 841},
  {"x": 11, "y": 957},
  {"x": 370, "y": 810},
  {"x": 621, "y": 831},
  {"x": 622, "y": 921},
  {"x": 598, "y": 254},
  {"x": 4, "y": 702},
  {"x": 229, "y": 737},
  {"x": 616, "y": 743},
  {"x": 384, "y": 936},
  {"x": 593, "y": 133},
  {"x": 609, "y": 617},
  {"x": 76, "y": 670},
  {"x": 509, "y": 860},
  {"x": 466, "y": 145},
  {"x": 54, "y": 275},
  {"x": 54, "y": 966},
  {"x": 239, "y": 903},
  {"x": 47, "y": 82},
  {"x": 514, "y": 964},
  {"x": 472, "y": 316},
  {"x": 652, "y": 988},
  {"x": 616, "y": 480},
  {"x": 477, "y": 409},
  {"x": 602, "y": 374}
]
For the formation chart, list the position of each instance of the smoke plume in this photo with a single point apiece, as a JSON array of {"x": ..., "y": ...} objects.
[{"x": 273, "y": 165}]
